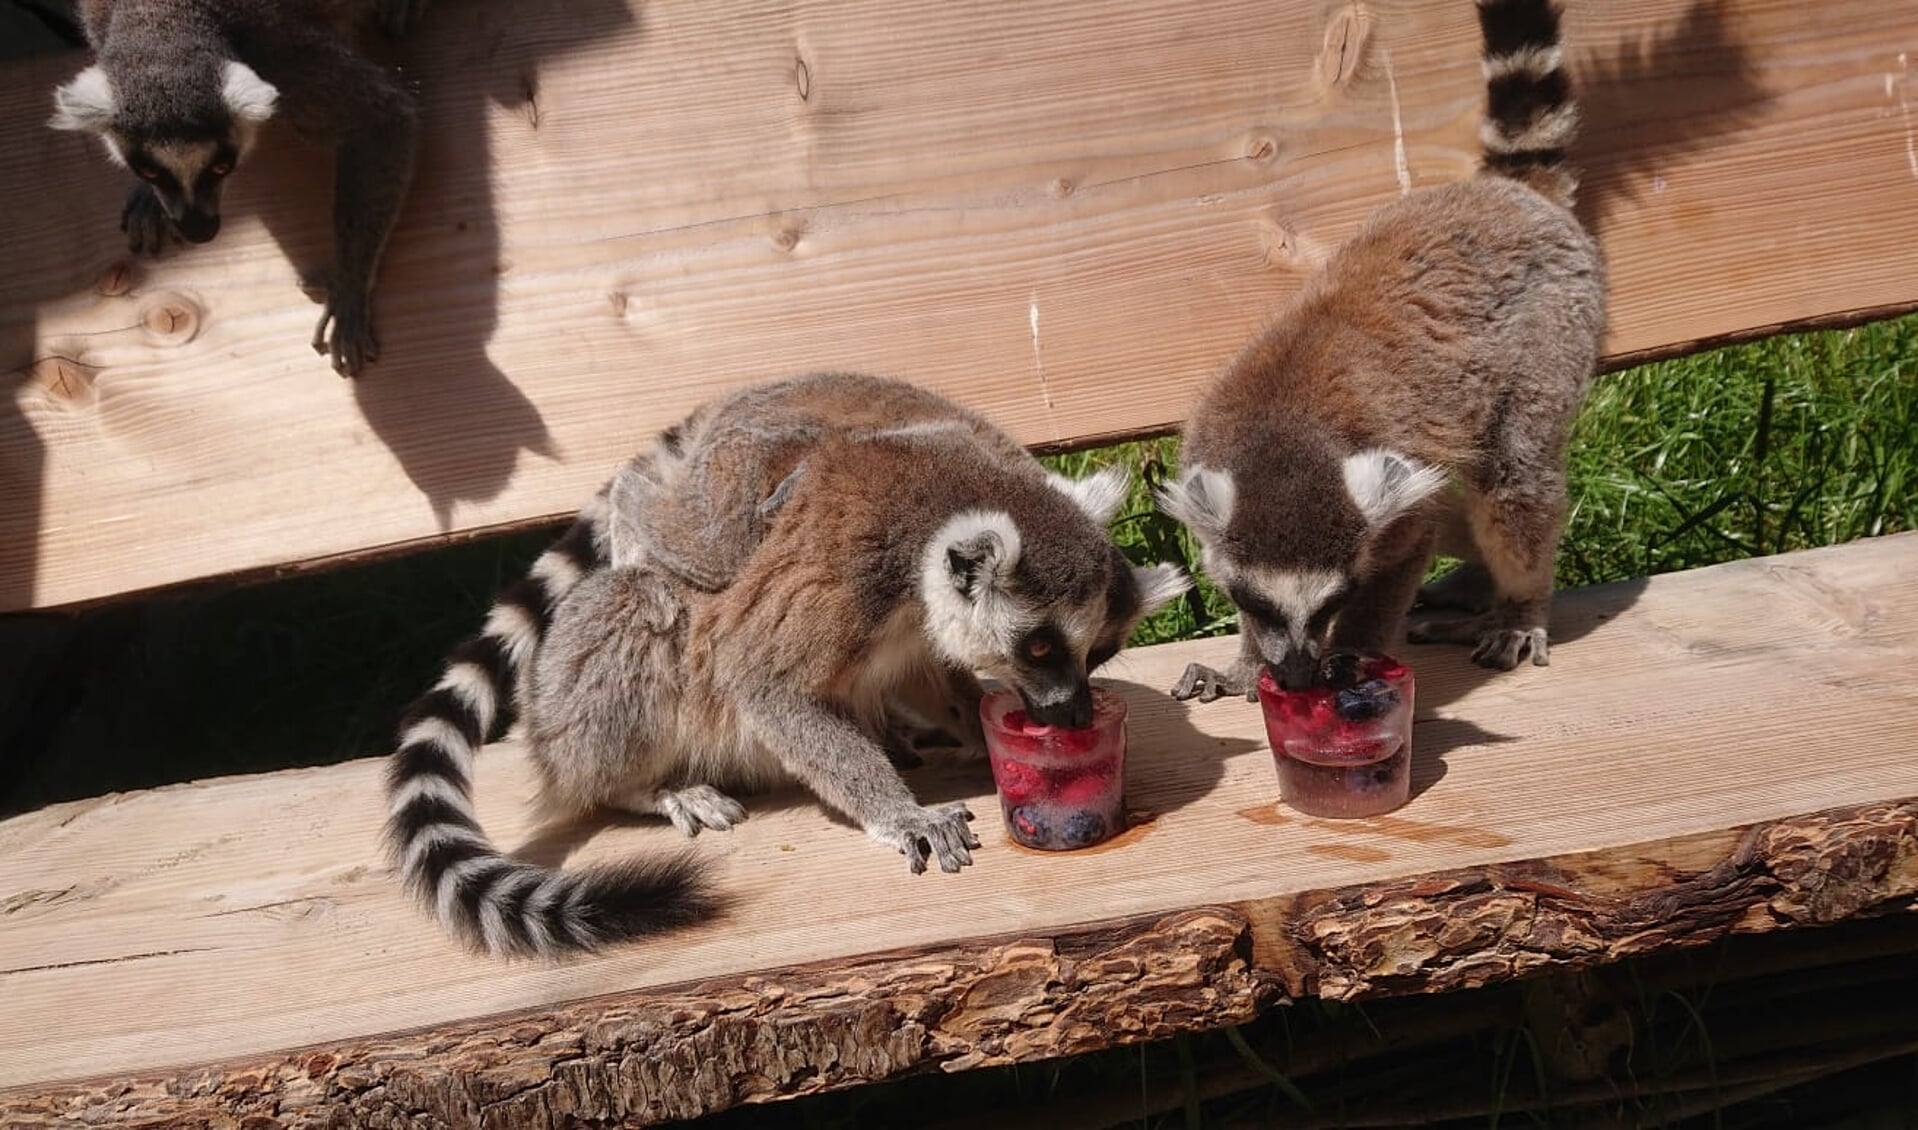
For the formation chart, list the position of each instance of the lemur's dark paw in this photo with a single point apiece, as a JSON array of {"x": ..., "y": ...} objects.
[
  {"x": 1206, "y": 684},
  {"x": 351, "y": 345},
  {"x": 144, "y": 222}
]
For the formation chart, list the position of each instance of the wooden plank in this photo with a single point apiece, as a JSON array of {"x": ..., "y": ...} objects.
[
  {"x": 1066, "y": 214},
  {"x": 1734, "y": 748}
]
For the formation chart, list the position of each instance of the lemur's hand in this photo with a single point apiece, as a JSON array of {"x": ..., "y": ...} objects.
[
  {"x": 144, "y": 221},
  {"x": 918, "y": 831},
  {"x": 1206, "y": 684}
]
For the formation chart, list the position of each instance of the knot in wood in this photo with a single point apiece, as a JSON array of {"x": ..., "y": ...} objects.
[
  {"x": 1344, "y": 48},
  {"x": 115, "y": 280},
  {"x": 67, "y": 382},
  {"x": 173, "y": 320}
]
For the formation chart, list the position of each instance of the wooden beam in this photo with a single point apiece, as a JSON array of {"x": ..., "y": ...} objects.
[
  {"x": 1065, "y": 214},
  {"x": 1727, "y": 750}
]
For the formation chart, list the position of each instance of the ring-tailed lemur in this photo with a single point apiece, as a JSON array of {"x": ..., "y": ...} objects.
[
  {"x": 898, "y": 559},
  {"x": 179, "y": 89},
  {"x": 1451, "y": 339}
]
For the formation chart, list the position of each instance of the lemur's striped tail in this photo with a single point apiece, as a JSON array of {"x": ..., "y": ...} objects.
[
  {"x": 494, "y": 903},
  {"x": 1530, "y": 118}
]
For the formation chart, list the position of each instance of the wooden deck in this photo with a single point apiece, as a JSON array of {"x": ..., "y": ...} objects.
[
  {"x": 1066, "y": 214},
  {"x": 1734, "y": 748}
]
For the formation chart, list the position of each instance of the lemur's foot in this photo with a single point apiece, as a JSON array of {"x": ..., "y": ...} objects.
[
  {"x": 351, "y": 345},
  {"x": 1502, "y": 648},
  {"x": 699, "y": 807},
  {"x": 1493, "y": 645},
  {"x": 144, "y": 222},
  {"x": 1206, "y": 684},
  {"x": 918, "y": 831}
]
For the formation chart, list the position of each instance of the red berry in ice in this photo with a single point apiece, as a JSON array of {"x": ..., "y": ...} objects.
[
  {"x": 1018, "y": 782},
  {"x": 1083, "y": 789}
]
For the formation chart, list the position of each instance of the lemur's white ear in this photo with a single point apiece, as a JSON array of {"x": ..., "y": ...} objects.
[
  {"x": 1202, "y": 499},
  {"x": 1384, "y": 484},
  {"x": 980, "y": 550},
  {"x": 249, "y": 97},
  {"x": 1099, "y": 494},
  {"x": 1158, "y": 585},
  {"x": 84, "y": 103}
]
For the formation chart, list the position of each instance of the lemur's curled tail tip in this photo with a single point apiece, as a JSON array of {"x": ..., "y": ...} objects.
[
  {"x": 1531, "y": 120},
  {"x": 495, "y": 904}
]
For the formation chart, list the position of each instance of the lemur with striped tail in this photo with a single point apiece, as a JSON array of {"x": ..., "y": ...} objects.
[
  {"x": 1416, "y": 394},
  {"x": 878, "y": 545}
]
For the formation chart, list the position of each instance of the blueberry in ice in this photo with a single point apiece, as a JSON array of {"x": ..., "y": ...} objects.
[
  {"x": 1083, "y": 829},
  {"x": 1341, "y": 668},
  {"x": 1029, "y": 826},
  {"x": 1370, "y": 699}
]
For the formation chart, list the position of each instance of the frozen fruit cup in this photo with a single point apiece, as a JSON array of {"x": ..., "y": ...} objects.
[
  {"x": 1343, "y": 746},
  {"x": 1058, "y": 789}
]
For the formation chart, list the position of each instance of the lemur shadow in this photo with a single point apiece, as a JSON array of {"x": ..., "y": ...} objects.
[
  {"x": 1447, "y": 674},
  {"x": 42, "y": 654},
  {"x": 455, "y": 422},
  {"x": 1678, "y": 87}
]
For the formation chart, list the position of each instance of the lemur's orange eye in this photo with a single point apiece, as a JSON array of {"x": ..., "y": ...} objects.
[
  {"x": 147, "y": 174},
  {"x": 221, "y": 169},
  {"x": 1039, "y": 649}
]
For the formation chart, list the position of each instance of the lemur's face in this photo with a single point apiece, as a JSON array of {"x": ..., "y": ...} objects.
[
  {"x": 186, "y": 178},
  {"x": 183, "y": 152}
]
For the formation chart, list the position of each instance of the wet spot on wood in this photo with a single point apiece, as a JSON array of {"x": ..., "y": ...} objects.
[
  {"x": 1268, "y": 814},
  {"x": 1416, "y": 831},
  {"x": 1355, "y": 853}
]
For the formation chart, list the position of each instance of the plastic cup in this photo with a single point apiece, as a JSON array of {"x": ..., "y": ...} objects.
[
  {"x": 1343, "y": 748},
  {"x": 1058, "y": 789}
]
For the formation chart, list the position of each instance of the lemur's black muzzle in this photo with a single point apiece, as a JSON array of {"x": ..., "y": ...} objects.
[
  {"x": 198, "y": 227},
  {"x": 1069, "y": 706},
  {"x": 1297, "y": 671}
]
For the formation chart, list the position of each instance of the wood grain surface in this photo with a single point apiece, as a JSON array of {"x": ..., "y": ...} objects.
[
  {"x": 1734, "y": 748},
  {"x": 1066, "y": 214}
]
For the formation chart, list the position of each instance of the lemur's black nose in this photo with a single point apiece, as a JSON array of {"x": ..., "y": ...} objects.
[
  {"x": 197, "y": 227},
  {"x": 1296, "y": 671},
  {"x": 1073, "y": 712}
]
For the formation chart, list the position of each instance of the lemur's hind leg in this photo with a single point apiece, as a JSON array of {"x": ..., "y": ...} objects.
[{"x": 692, "y": 809}]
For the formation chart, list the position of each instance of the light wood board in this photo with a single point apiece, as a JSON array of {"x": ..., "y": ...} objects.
[
  {"x": 238, "y": 917},
  {"x": 1067, "y": 214}
]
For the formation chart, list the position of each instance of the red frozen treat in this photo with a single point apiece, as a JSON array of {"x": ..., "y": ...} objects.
[
  {"x": 1343, "y": 748},
  {"x": 1058, "y": 789}
]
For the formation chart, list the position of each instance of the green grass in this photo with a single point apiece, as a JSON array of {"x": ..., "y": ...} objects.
[{"x": 1782, "y": 444}]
